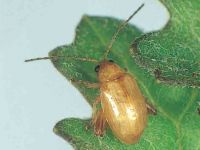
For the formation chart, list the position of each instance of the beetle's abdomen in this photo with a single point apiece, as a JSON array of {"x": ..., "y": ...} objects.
[{"x": 124, "y": 108}]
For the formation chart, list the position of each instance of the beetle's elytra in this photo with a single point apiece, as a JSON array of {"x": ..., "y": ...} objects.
[{"x": 123, "y": 106}]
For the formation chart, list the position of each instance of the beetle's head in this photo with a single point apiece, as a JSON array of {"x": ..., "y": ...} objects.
[{"x": 108, "y": 70}]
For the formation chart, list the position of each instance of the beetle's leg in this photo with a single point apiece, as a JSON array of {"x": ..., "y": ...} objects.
[
  {"x": 94, "y": 112},
  {"x": 99, "y": 123},
  {"x": 125, "y": 70},
  {"x": 86, "y": 83},
  {"x": 94, "y": 106},
  {"x": 150, "y": 109},
  {"x": 98, "y": 119}
]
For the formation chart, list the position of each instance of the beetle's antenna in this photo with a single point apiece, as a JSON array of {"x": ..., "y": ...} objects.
[
  {"x": 119, "y": 30},
  {"x": 64, "y": 57},
  {"x": 90, "y": 59}
]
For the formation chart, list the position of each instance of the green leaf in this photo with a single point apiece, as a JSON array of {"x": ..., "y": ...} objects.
[
  {"x": 173, "y": 54},
  {"x": 177, "y": 125}
]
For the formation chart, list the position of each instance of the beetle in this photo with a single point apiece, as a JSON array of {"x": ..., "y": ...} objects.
[{"x": 123, "y": 106}]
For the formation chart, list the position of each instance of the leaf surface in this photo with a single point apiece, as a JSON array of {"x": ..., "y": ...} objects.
[{"x": 173, "y": 54}]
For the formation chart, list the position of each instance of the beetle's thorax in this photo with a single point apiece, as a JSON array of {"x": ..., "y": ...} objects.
[{"x": 109, "y": 71}]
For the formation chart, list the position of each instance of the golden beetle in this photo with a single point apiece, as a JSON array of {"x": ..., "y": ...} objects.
[{"x": 123, "y": 107}]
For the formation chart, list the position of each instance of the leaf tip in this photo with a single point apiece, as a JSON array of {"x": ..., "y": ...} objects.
[
  {"x": 85, "y": 16},
  {"x": 55, "y": 130}
]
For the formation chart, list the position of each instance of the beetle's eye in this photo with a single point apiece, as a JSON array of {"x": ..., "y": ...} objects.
[
  {"x": 111, "y": 61},
  {"x": 97, "y": 68}
]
